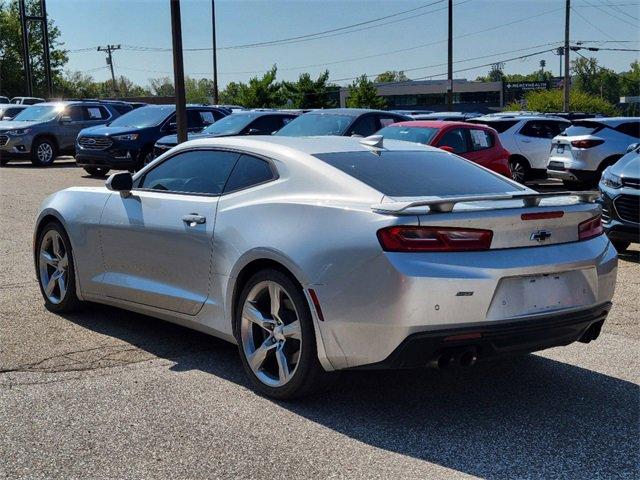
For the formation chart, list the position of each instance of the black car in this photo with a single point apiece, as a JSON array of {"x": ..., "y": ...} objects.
[
  {"x": 341, "y": 121},
  {"x": 241, "y": 123},
  {"x": 127, "y": 142},
  {"x": 446, "y": 116}
]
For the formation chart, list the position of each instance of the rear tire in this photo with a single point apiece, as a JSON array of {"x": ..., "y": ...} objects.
[
  {"x": 519, "y": 170},
  {"x": 43, "y": 152},
  {"x": 97, "y": 171},
  {"x": 267, "y": 341},
  {"x": 55, "y": 269},
  {"x": 620, "y": 246}
]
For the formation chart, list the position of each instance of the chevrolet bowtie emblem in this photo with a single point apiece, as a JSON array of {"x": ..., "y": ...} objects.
[{"x": 540, "y": 236}]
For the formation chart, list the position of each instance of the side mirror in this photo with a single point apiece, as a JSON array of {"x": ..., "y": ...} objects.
[
  {"x": 120, "y": 182},
  {"x": 253, "y": 131},
  {"x": 65, "y": 119},
  {"x": 447, "y": 148},
  {"x": 7, "y": 118},
  {"x": 172, "y": 127}
]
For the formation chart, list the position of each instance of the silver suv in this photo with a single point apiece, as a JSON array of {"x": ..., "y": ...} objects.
[
  {"x": 42, "y": 132},
  {"x": 582, "y": 152}
]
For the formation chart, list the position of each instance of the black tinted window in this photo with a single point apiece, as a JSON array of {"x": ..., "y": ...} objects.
[
  {"x": 364, "y": 126},
  {"x": 455, "y": 139},
  {"x": 265, "y": 125},
  {"x": 75, "y": 113},
  {"x": 417, "y": 173},
  {"x": 631, "y": 128},
  {"x": 196, "y": 171},
  {"x": 248, "y": 171}
]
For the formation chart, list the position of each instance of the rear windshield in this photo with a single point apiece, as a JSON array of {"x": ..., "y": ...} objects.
[
  {"x": 583, "y": 128},
  {"x": 417, "y": 173},
  {"x": 499, "y": 126},
  {"x": 409, "y": 134}
]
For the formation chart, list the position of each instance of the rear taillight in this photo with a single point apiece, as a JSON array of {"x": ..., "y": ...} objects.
[
  {"x": 586, "y": 143},
  {"x": 406, "y": 238},
  {"x": 590, "y": 228}
]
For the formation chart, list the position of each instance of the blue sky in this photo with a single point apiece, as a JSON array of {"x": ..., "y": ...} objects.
[{"x": 493, "y": 29}]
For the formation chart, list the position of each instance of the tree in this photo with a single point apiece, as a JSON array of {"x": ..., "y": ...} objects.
[
  {"x": 11, "y": 66},
  {"x": 309, "y": 93},
  {"x": 260, "y": 92},
  {"x": 391, "y": 76},
  {"x": 231, "y": 94},
  {"x": 589, "y": 77},
  {"x": 552, "y": 101},
  {"x": 162, "y": 87},
  {"x": 364, "y": 94}
]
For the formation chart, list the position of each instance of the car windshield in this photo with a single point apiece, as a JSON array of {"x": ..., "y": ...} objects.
[
  {"x": 143, "y": 117},
  {"x": 316, "y": 124},
  {"x": 39, "y": 113},
  {"x": 400, "y": 173},
  {"x": 583, "y": 128},
  {"x": 229, "y": 125},
  {"x": 422, "y": 135}
]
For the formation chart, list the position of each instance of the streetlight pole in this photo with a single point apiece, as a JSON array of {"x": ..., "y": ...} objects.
[
  {"x": 567, "y": 77},
  {"x": 178, "y": 71},
  {"x": 450, "y": 59},
  {"x": 215, "y": 60}
]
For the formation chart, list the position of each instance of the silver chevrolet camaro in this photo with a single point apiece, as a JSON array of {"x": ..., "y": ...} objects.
[{"x": 327, "y": 253}]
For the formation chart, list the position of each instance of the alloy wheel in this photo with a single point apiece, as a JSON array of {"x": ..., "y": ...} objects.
[
  {"x": 53, "y": 266},
  {"x": 271, "y": 333},
  {"x": 45, "y": 153},
  {"x": 518, "y": 171}
]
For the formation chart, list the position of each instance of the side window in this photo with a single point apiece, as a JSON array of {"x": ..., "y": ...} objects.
[
  {"x": 195, "y": 171},
  {"x": 365, "y": 126},
  {"x": 539, "y": 129},
  {"x": 75, "y": 112},
  {"x": 386, "y": 121},
  {"x": 207, "y": 117},
  {"x": 248, "y": 171},
  {"x": 630, "y": 128},
  {"x": 481, "y": 139},
  {"x": 264, "y": 125},
  {"x": 286, "y": 120},
  {"x": 558, "y": 127},
  {"x": 455, "y": 139},
  {"x": 95, "y": 113},
  {"x": 194, "y": 120}
]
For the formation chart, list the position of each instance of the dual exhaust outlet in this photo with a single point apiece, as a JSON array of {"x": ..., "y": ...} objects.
[{"x": 462, "y": 357}]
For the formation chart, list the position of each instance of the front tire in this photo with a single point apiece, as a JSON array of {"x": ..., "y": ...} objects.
[
  {"x": 97, "y": 171},
  {"x": 276, "y": 338},
  {"x": 43, "y": 152},
  {"x": 55, "y": 269}
]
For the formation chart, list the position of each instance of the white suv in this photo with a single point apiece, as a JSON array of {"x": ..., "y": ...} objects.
[
  {"x": 582, "y": 152},
  {"x": 528, "y": 139}
]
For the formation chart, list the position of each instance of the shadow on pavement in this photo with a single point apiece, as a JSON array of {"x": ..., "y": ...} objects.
[{"x": 528, "y": 417}]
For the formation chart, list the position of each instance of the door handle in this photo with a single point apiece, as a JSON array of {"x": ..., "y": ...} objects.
[
  {"x": 194, "y": 219},
  {"x": 525, "y": 141}
]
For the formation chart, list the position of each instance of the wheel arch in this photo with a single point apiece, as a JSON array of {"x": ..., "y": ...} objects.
[
  {"x": 607, "y": 162},
  {"x": 519, "y": 156},
  {"x": 47, "y": 136}
]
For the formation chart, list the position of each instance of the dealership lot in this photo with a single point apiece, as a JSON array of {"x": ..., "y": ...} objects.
[{"x": 113, "y": 394}]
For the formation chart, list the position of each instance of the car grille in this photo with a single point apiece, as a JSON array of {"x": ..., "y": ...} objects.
[
  {"x": 606, "y": 216},
  {"x": 556, "y": 166},
  {"x": 4, "y": 139},
  {"x": 95, "y": 143},
  {"x": 627, "y": 182},
  {"x": 628, "y": 207}
]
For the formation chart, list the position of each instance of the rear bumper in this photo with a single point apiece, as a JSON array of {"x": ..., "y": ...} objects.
[
  {"x": 496, "y": 339},
  {"x": 555, "y": 170}
]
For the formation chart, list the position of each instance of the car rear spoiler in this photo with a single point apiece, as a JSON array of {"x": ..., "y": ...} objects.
[{"x": 447, "y": 204}]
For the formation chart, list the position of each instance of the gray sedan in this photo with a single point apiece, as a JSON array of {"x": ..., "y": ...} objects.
[{"x": 328, "y": 253}]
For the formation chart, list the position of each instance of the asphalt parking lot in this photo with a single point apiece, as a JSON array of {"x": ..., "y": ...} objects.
[{"x": 110, "y": 394}]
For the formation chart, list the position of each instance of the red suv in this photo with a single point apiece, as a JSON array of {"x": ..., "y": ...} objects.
[{"x": 477, "y": 143}]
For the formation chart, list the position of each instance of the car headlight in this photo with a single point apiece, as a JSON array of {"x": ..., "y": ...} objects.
[
  {"x": 610, "y": 180},
  {"x": 127, "y": 137},
  {"x": 20, "y": 132}
]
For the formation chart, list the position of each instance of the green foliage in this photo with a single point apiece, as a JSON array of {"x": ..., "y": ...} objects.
[
  {"x": 552, "y": 101},
  {"x": 11, "y": 68},
  {"x": 496, "y": 75},
  {"x": 309, "y": 93},
  {"x": 590, "y": 78},
  {"x": 260, "y": 92},
  {"x": 391, "y": 76},
  {"x": 364, "y": 94},
  {"x": 630, "y": 81}
]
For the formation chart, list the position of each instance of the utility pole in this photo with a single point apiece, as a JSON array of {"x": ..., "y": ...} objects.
[
  {"x": 45, "y": 48},
  {"x": 215, "y": 60},
  {"x": 567, "y": 77},
  {"x": 109, "y": 49},
  {"x": 178, "y": 71},
  {"x": 450, "y": 60},
  {"x": 26, "y": 60}
]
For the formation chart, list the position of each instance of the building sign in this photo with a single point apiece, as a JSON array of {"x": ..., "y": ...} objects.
[{"x": 526, "y": 86}]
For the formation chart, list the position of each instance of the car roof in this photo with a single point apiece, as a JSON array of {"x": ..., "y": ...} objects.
[
  {"x": 68, "y": 102},
  {"x": 434, "y": 124},
  {"x": 611, "y": 121},
  {"x": 262, "y": 113},
  {"x": 353, "y": 112},
  {"x": 518, "y": 117},
  {"x": 308, "y": 145}
]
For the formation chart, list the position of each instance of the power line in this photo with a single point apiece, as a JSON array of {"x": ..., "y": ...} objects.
[{"x": 624, "y": 20}]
